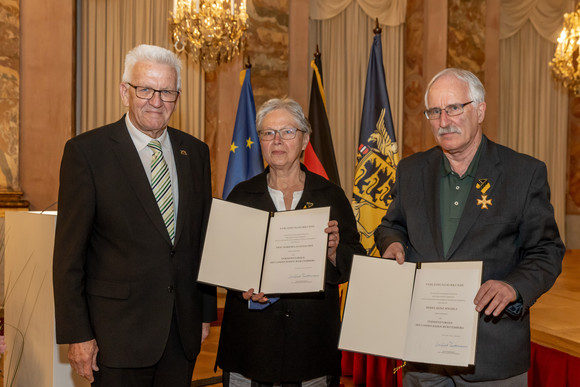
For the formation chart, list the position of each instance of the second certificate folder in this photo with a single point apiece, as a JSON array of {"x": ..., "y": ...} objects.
[
  {"x": 270, "y": 252},
  {"x": 421, "y": 312}
]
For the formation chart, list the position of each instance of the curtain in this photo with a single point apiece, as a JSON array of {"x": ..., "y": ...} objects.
[
  {"x": 345, "y": 41},
  {"x": 545, "y": 15},
  {"x": 109, "y": 29},
  {"x": 389, "y": 12},
  {"x": 534, "y": 107}
]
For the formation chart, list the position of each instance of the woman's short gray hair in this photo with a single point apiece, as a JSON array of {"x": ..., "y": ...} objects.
[
  {"x": 476, "y": 89},
  {"x": 287, "y": 104},
  {"x": 149, "y": 53}
]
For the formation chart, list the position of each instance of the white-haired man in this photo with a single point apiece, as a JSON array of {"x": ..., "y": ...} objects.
[
  {"x": 472, "y": 199},
  {"x": 134, "y": 199}
]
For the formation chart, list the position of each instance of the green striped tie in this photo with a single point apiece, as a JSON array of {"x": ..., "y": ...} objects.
[{"x": 161, "y": 185}]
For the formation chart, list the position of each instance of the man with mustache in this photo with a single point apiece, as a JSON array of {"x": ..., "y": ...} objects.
[{"x": 472, "y": 199}]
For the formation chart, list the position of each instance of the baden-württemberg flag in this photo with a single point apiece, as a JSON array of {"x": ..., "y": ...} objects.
[
  {"x": 319, "y": 154},
  {"x": 245, "y": 155},
  {"x": 377, "y": 155}
]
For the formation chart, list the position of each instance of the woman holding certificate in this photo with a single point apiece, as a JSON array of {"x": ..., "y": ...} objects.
[{"x": 291, "y": 339}]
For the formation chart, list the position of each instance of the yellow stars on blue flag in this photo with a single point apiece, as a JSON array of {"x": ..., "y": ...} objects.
[
  {"x": 249, "y": 143},
  {"x": 244, "y": 161}
]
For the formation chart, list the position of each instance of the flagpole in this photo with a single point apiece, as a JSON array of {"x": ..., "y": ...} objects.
[{"x": 377, "y": 30}]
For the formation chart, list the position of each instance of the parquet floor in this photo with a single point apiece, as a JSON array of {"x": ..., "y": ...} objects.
[{"x": 555, "y": 318}]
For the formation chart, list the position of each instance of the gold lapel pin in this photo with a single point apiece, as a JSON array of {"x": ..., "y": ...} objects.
[{"x": 183, "y": 152}]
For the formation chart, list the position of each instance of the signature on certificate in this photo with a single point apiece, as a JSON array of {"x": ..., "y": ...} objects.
[{"x": 449, "y": 344}]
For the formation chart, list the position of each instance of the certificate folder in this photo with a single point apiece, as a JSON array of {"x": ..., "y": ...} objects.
[
  {"x": 417, "y": 312},
  {"x": 270, "y": 252}
]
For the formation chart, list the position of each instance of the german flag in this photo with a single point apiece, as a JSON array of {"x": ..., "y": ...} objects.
[{"x": 319, "y": 154}]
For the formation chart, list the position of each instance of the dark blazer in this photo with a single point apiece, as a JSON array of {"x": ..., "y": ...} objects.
[
  {"x": 117, "y": 278},
  {"x": 516, "y": 238},
  {"x": 296, "y": 338}
]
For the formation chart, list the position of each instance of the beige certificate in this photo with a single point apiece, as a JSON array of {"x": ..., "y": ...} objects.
[
  {"x": 278, "y": 252},
  {"x": 416, "y": 312},
  {"x": 443, "y": 320}
]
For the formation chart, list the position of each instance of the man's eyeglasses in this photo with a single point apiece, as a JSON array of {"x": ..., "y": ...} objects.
[
  {"x": 148, "y": 93},
  {"x": 451, "y": 110},
  {"x": 285, "y": 133}
]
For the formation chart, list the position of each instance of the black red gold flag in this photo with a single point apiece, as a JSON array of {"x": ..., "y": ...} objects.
[{"x": 319, "y": 154}]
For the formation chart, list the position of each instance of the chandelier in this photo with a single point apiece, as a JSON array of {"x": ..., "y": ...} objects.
[
  {"x": 566, "y": 63},
  {"x": 210, "y": 31}
]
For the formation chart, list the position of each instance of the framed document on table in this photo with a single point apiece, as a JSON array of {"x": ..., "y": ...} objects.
[
  {"x": 270, "y": 252},
  {"x": 422, "y": 312}
]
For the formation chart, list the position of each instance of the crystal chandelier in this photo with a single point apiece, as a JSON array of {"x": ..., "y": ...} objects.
[
  {"x": 566, "y": 63},
  {"x": 210, "y": 31}
]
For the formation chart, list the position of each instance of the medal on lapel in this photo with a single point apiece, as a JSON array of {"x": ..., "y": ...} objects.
[{"x": 483, "y": 186}]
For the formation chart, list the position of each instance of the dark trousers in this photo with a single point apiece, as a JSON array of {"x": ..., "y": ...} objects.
[{"x": 173, "y": 369}]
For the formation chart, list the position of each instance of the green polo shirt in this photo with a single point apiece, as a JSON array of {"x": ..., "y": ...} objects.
[{"x": 453, "y": 193}]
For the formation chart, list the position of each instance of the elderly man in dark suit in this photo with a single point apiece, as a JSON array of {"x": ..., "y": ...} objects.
[
  {"x": 133, "y": 205},
  {"x": 472, "y": 199}
]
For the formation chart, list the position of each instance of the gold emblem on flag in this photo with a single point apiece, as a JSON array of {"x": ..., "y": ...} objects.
[{"x": 374, "y": 177}]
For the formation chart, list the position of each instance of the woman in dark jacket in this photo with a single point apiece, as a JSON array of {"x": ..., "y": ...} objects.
[{"x": 293, "y": 339}]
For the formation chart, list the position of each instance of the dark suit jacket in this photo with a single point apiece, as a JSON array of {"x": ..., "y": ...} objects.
[
  {"x": 117, "y": 278},
  {"x": 296, "y": 338},
  {"x": 516, "y": 238}
]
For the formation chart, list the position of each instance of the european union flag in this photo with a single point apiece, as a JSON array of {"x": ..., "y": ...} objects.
[
  {"x": 377, "y": 156},
  {"x": 245, "y": 159}
]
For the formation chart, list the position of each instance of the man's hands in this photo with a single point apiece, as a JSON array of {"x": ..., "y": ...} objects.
[
  {"x": 83, "y": 358},
  {"x": 205, "y": 327},
  {"x": 496, "y": 295},
  {"x": 395, "y": 251}
]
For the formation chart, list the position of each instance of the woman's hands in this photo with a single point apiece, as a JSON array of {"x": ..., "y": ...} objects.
[
  {"x": 260, "y": 297},
  {"x": 333, "y": 239}
]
